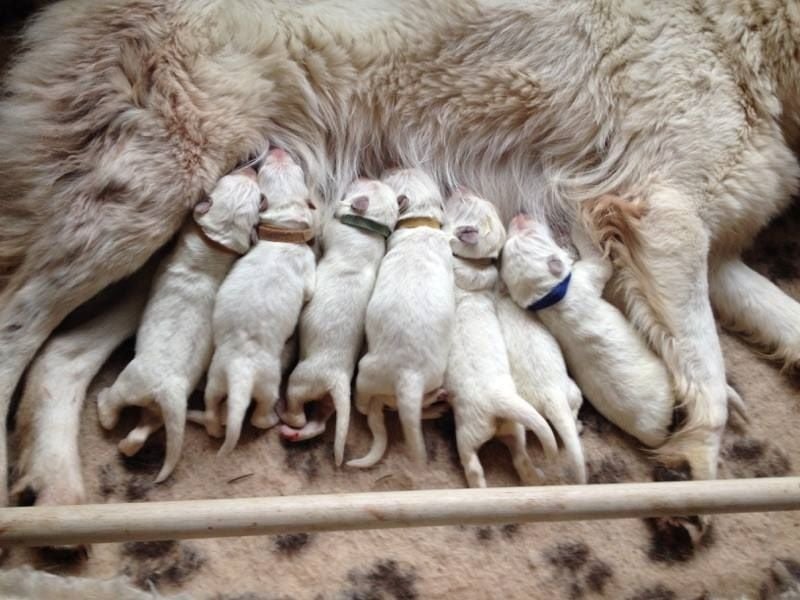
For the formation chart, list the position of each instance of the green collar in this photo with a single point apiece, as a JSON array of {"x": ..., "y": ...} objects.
[{"x": 366, "y": 224}]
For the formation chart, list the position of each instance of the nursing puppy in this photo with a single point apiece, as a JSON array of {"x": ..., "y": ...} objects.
[
  {"x": 610, "y": 361},
  {"x": 540, "y": 374},
  {"x": 478, "y": 378},
  {"x": 332, "y": 324},
  {"x": 259, "y": 304},
  {"x": 410, "y": 317},
  {"x": 174, "y": 343}
]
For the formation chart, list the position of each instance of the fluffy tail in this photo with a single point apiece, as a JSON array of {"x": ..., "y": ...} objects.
[
  {"x": 379, "y": 441},
  {"x": 514, "y": 408}
]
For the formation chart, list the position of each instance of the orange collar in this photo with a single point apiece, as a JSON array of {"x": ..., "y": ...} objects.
[
  {"x": 418, "y": 222},
  {"x": 270, "y": 233}
]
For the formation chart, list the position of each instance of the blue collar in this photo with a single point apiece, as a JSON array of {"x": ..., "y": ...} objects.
[{"x": 552, "y": 297}]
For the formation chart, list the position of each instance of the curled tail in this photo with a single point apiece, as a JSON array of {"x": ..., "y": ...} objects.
[
  {"x": 379, "y": 441},
  {"x": 514, "y": 408}
]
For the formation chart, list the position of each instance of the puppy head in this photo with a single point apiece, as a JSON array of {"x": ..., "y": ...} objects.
[
  {"x": 372, "y": 199},
  {"x": 532, "y": 263},
  {"x": 287, "y": 200},
  {"x": 417, "y": 194},
  {"x": 231, "y": 211},
  {"x": 474, "y": 226}
]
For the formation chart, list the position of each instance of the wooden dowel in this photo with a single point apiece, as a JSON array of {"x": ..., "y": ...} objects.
[{"x": 93, "y": 523}]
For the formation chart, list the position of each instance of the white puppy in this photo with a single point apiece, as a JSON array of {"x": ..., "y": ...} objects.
[
  {"x": 478, "y": 378},
  {"x": 259, "y": 304},
  {"x": 611, "y": 362},
  {"x": 410, "y": 318},
  {"x": 622, "y": 377},
  {"x": 540, "y": 375},
  {"x": 174, "y": 343},
  {"x": 332, "y": 324}
]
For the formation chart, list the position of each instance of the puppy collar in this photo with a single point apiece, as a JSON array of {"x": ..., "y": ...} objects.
[
  {"x": 478, "y": 262},
  {"x": 552, "y": 297},
  {"x": 366, "y": 224},
  {"x": 270, "y": 233},
  {"x": 418, "y": 222},
  {"x": 212, "y": 242}
]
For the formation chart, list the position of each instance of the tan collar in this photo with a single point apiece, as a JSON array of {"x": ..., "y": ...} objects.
[
  {"x": 418, "y": 222},
  {"x": 212, "y": 243},
  {"x": 270, "y": 233},
  {"x": 478, "y": 262}
]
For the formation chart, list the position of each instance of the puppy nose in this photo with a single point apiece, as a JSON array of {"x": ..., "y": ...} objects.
[
  {"x": 278, "y": 154},
  {"x": 520, "y": 221}
]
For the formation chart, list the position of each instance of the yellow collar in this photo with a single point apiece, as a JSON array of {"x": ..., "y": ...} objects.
[
  {"x": 418, "y": 222},
  {"x": 270, "y": 233}
]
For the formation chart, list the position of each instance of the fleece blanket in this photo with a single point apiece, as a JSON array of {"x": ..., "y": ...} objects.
[{"x": 745, "y": 556}]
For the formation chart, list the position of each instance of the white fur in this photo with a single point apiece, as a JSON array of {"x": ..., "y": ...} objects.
[
  {"x": 611, "y": 362},
  {"x": 541, "y": 378},
  {"x": 174, "y": 343},
  {"x": 258, "y": 307},
  {"x": 478, "y": 377},
  {"x": 332, "y": 324},
  {"x": 409, "y": 322}
]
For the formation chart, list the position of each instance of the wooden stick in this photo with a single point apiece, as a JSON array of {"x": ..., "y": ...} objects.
[{"x": 90, "y": 523}]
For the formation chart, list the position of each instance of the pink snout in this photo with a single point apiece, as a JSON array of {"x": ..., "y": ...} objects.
[
  {"x": 520, "y": 222},
  {"x": 278, "y": 154}
]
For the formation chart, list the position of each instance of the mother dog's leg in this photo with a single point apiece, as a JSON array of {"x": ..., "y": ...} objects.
[
  {"x": 660, "y": 247},
  {"x": 752, "y": 305}
]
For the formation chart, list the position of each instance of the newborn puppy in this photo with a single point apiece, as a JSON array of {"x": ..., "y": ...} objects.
[
  {"x": 332, "y": 324},
  {"x": 259, "y": 304},
  {"x": 478, "y": 378},
  {"x": 539, "y": 372},
  {"x": 610, "y": 361},
  {"x": 612, "y": 364},
  {"x": 410, "y": 316},
  {"x": 174, "y": 342}
]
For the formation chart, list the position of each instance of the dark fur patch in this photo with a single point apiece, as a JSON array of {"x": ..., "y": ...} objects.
[
  {"x": 143, "y": 550},
  {"x": 593, "y": 420},
  {"x": 571, "y": 556},
  {"x": 510, "y": 530},
  {"x": 384, "y": 579},
  {"x": 484, "y": 534},
  {"x": 107, "y": 480},
  {"x": 679, "y": 472},
  {"x": 137, "y": 488},
  {"x": 611, "y": 469},
  {"x": 304, "y": 456},
  {"x": 671, "y": 542},
  {"x": 747, "y": 457},
  {"x": 290, "y": 544},
  {"x": 165, "y": 563},
  {"x": 599, "y": 574},
  {"x": 61, "y": 558},
  {"x": 657, "y": 592}
]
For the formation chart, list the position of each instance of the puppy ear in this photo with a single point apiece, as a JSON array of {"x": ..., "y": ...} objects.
[
  {"x": 202, "y": 208},
  {"x": 467, "y": 235},
  {"x": 360, "y": 204},
  {"x": 264, "y": 205},
  {"x": 402, "y": 202},
  {"x": 555, "y": 265},
  {"x": 253, "y": 236}
]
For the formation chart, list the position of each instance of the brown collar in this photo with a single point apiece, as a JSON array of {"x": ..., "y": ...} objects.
[
  {"x": 270, "y": 233},
  {"x": 418, "y": 222},
  {"x": 212, "y": 243},
  {"x": 478, "y": 262}
]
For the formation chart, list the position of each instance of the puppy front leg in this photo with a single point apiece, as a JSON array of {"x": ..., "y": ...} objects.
[
  {"x": 753, "y": 306},
  {"x": 595, "y": 267}
]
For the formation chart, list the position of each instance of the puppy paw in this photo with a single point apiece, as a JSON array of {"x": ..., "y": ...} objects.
[
  {"x": 105, "y": 411},
  {"x": 296, "y": 419},
  {"x": 264, "y": 419}
]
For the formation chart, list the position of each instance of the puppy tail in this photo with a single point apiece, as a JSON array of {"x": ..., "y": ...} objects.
[
  {"x": 736, "y": 403},
  {"x": 341, "y": 402},
  {"x": 514, "y": 408},
  {"x": 240, "y": 388},
  {"x": 173, "y": 411},
  {"x": 564, "y": 423},
  {"x": 379, "y": 440}
]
